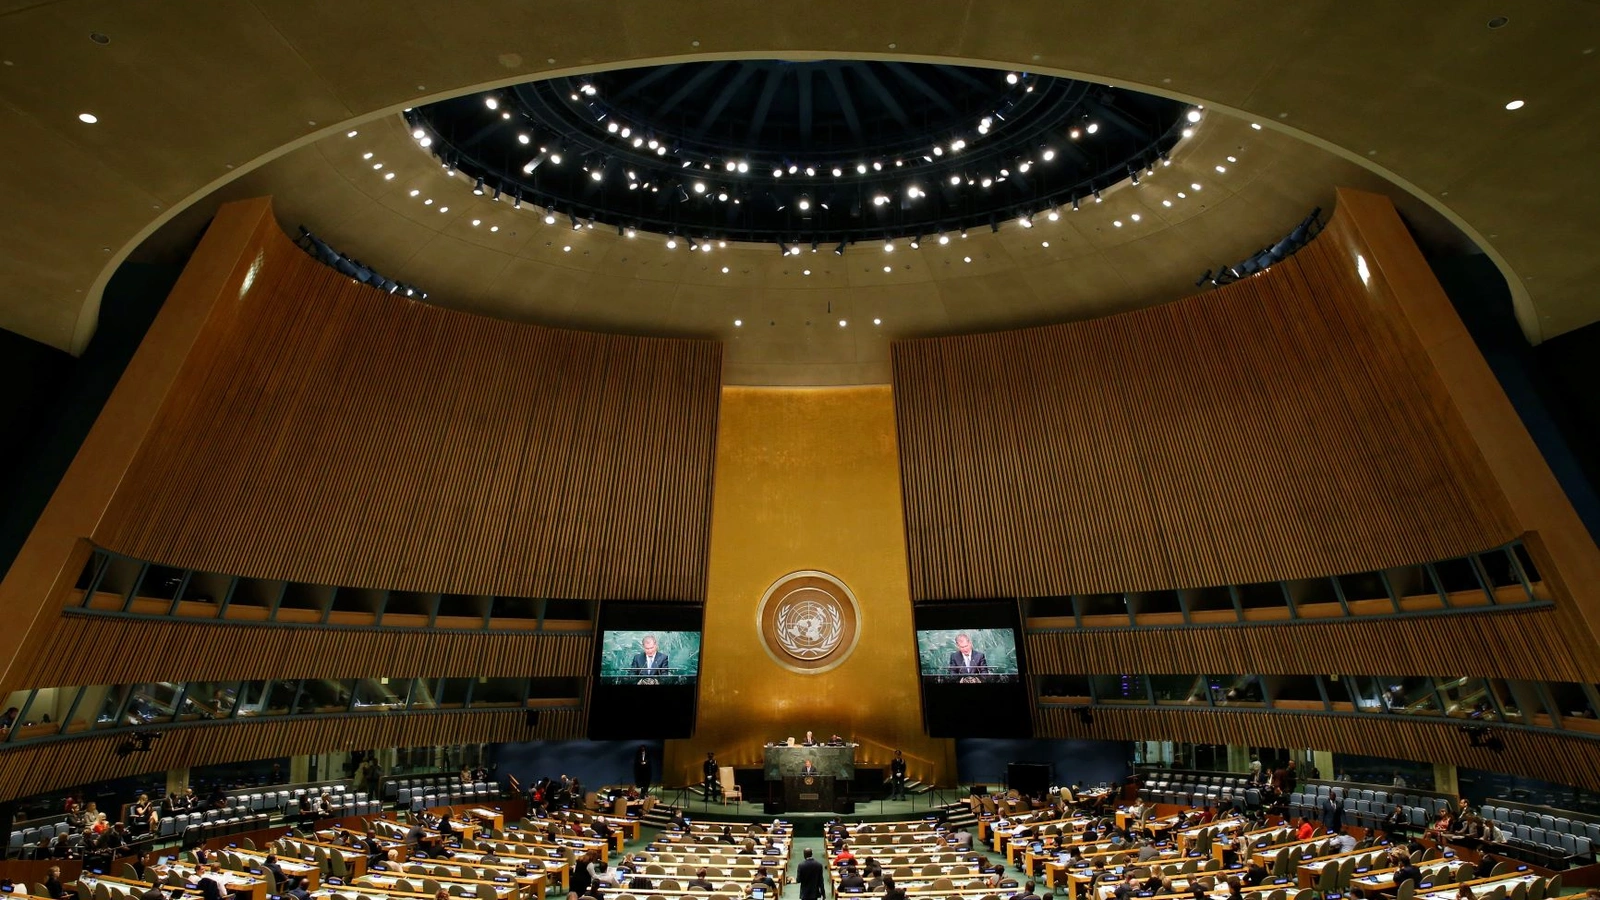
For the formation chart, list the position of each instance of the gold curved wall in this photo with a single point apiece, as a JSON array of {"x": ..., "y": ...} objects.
[{"x": 806, "y": 480}]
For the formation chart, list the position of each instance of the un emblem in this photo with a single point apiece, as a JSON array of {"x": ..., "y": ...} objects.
[{"x": 809, "y": 622}]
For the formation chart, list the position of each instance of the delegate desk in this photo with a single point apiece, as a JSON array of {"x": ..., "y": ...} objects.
[{"x": 785, "y": 763}]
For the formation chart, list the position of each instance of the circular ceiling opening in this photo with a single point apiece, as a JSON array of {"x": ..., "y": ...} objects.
[{"x": 831, "y": 152}]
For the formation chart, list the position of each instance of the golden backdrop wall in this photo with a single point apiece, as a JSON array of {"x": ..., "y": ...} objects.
[{"x": 808, "y": 479}]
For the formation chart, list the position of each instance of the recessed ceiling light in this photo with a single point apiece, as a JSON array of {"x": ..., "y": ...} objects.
[
  {"x": 966, "y": 259},
  {"x": 444, "y": 209},
  {"x": 886, "y": 268},
  {"x": 1044, "y": 244},
  {"x": 415, "y": 192},
  {"x": 724, "y": 270},
  {"x": 1117, "y": 222},
  {"x": 494, "y": 227},
  {"x": 351, "y": 133},
  {"x": 843, "y": 323},
  {"x": 877, "y": 321},
  {"x": 1166, "y": 203},
  {"x": 567, "y": 249},
  {"x": 806, "y": 272},
  {"x": 1134, "y": 217},
  {"x": 1195, "y": 186},
  {"x": 738, "y": 323},
  {"x": 1222, "y": 170},
  {"x": 1194, "y": 115},
  {"x": 476, "y": 222},
  {"x": 1515, "y": 104},
  {"x": 88, "y": 118},
  {"x": 388, "y": 176}
]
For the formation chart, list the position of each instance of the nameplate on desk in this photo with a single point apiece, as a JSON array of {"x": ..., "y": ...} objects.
[{"x": 809, "y": 796}]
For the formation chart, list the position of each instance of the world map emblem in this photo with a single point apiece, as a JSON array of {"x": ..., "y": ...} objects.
[{"x": 809, "y": 622}]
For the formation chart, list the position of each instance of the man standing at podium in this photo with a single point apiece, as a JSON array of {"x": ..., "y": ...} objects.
[
  {"x": 648, "y": 661},
  {"x": 897, "y": 777},
  {"x": 967, "y": 661},
  {"x": 809, "y": 768}
]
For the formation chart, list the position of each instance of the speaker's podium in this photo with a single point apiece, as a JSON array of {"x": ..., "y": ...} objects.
[
  {"x": 808, "y": 793},
  {"x": 833, "y": 768}
]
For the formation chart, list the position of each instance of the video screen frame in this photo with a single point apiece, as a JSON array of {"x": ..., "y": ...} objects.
[{"x": 957, "y": 705}]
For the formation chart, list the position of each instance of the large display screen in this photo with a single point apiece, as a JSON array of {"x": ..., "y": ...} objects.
[
  {"x": 968, "y": 655},
  {"x": 972, "y": 669},
  {"x": 646, "y": 670},
  {"x": 649, "y": 657}
]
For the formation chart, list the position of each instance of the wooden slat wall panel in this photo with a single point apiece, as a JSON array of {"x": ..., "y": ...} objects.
[
  {"x": 335, "y": 434},
  {"x": 70, "y": 763},
  {"x": 1529, "y": 644},
  {"x": 1571, "y": 760},
  {"x": 1284, "y": 426},
  {"x": 197, "y": 650}
]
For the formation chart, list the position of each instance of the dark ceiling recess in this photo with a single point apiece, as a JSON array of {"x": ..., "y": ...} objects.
[{"x": 800, "y": 152}]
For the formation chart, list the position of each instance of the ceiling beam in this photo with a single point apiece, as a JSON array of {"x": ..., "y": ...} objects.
[
  {"x": 922, "y": 87},
  {"x": 845, "y": 105},
  {"x": 690, "y": 86},
  {"x": 889, "y": 101},
  {"x": 764, "y": 105},
  {"x": 729, "y": 89}
]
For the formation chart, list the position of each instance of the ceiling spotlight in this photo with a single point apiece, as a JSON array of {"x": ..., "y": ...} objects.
[
  {"x": 730, "y": 165},
  {"x": 613, "y": 128},
  {"x": 1074, "y": 134},
  {"x": 1011, "y": 78},
  {"x": 477, "y": 187},
  {"x": 944, "y": 239},
  {"x": 699, "y": 187},
  {"x": 913, "y": 192},
  {"x": 1134, "y": 174},
  {"x": 839, "y": 250},
  {"x": 861, "y": 169},
  {"x": 491, "y": 102},
  {"x": 418, "y": 134},
  {"x": 877, "y": 166},
  {"x": 706, "y": 247},
  {"x": 596, "y": 175},
  {"x": 661, "y": 151},
  {"x": 672, "y": 243},
  {"x": 1024, "y": 166},
  {"x": 811, "y": 172},
  {"x": 987, "y": 181},
  {"x": 916, "y": 243},
  {"x": 521, "y": 138},
  {"x": 1194, "y": 115},
  {"x": 629, "y": 232},
  {"x": 723, "y": 196},
  {"x": 836, "y": 171},
  {"x": 1054, "y": 215},
  {"x": 777, "y": 173},
  {"x": 888, "y": 246},
  {"x": 938, "y": 150},
  {"x": 1515, "y": 104},
  {"x": 549, "y": 218},
  {"x": 555, "y": 159},
  {"x": 1026, "y": 221},
  {"x": 743, "y": 167},
  {"x": 805, "y": 272},
  {"x": 1097, "y": 197},
  {"x": 955, "y": 179},
  {"x": 1074, "y": 204},
  {"x": 805, "y": 203},
  {"x": 880, "y": 200},
  {"x": 1048, "y": 154},
  {"x": 1092, "y": 127}
]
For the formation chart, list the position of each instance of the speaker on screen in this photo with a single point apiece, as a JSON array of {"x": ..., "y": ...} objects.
[
  {"x": 969, "y": 655},
  {"x": 646, "y": 671}
]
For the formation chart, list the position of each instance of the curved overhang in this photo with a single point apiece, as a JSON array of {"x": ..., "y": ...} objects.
[{"x": 191, "y": 95}]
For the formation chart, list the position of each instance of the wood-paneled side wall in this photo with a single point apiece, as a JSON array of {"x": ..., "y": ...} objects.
[
  {"x": 1551, "y": 757},
  {"x": 1280, "y": 427},
  {"x": 27, "y": 770},
  {"x": 332, "y": 433},
  {"x": 1530, "y": 644},
  {"x": 182, "y": 650}
]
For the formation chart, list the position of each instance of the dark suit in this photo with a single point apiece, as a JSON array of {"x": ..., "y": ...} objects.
[
  {"x": 1332, "y": 814},
  {"x": 809, "y": 768},
  {"x": 660, "y": 663},
  {"x": 812, "y": 880},
  {"x": 978, "y": 666}
]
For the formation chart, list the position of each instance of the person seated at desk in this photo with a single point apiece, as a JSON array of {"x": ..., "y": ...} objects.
[
  {"x": 762, "y": 878},
  {"x": 52, "y": 884},
  {"x": 836, "y": 741},
  {"x": 1027, "y": 893},
  {"x": 726, "y": 837},
  {"x": 699, "y": 882},
  {"x": 1255, "y": 874},
  {"x": 1148, "y": 851},
  {"x": 1396, "y": 823},
  {"x": 1344, "y": 842},
  {"x": 890, "y": 892},
  {"x": 962, "y": 839},
  {"x": 447, "y": 828},
  {"x": 844, "y": 855},
  {"x": 810, "y": 741},
  {"x": 297, "y": 889},
  {"x": 1303, "y": 833},
  {"x": 1404, "y": 869},
  {"x": 851, "y": 880}
]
